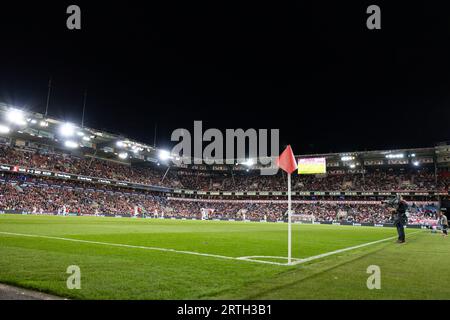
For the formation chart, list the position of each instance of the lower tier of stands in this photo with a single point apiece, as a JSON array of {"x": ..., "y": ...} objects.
[{"x": 40, "y": 198}]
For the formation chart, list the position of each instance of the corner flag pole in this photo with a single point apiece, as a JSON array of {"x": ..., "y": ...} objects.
[
  {"x": 289, "y": 220},
  {"x": 286, "y": 161}
]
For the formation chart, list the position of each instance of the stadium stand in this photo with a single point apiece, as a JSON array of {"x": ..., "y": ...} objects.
[
  {"x": 379, "y": 180},
  {"x": 100, "y": 173}
]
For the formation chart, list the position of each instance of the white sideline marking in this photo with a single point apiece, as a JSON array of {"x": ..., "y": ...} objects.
[{"x": 247, "y": 258}]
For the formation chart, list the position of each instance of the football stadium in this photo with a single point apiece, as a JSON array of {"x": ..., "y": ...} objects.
[
  {"x": 224, "y": 160},
  {"x": 137, "y": 226}
]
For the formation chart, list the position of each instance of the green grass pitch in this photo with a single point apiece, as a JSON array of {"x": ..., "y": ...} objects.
[{"x": 415, "y": 270}]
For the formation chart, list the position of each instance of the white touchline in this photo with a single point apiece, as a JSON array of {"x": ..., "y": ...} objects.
[{"x": 248, "y": 258}]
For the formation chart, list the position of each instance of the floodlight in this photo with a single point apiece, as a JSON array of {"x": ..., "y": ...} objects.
[
  {"x": 395, "y": 156},
  {"x": 43, "y": 123},
  {"x": 71, "y": 144},
  {"x": 164, "y": 155},
  {"x": 249, "y": 162},
  {"x": 79, "y": 133},
  {"x": 85, "y": 138},
  {"x": 416, "y": 163},
  {"x": 123, "y": 155},
  {"x": 352, "y": 166},
  {"x": 67, "y": 130},
  {"x": 120, "y": 144},
  {"x": 16, "y": 116},
  {"x": 4, "y": 129}
]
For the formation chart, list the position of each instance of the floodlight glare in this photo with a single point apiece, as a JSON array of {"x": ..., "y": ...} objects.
[
  {"x": 85, "y": 138},
  {"x": 79, "y": 133},
  {"x": 123, "y": 155},
  {"x": 394, "y": 156},
  {"x": 4, "y": 129},
  {"x": 16, "y": 116},
  {"x": 249, "y": 162},
  {"x": 416, "y": 163},
  {"x": 43, "y": 124},
  {"x": 67, "y": 130},
  {"x": 71, "y": 144},
  {"x": 120, "y": 144},
  {"x": 164, "y": 155}
]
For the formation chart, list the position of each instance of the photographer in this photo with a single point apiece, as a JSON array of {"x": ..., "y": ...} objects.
[
  {"x": 399, "y": 216},
  {"x": 443, "y": 223}
]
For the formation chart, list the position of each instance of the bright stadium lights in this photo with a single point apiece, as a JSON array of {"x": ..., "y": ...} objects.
[
  {"x": 4, "y": 129},
  {"x": 67, "y": 130},
  {"x": 353, "y": 166},
  {"x": 71, "y": 144},
  {"x": 16, "y": 116},
  {"x": 347, "y": 158},
  {"x": 395, "y": 156},
  {"x": 86, "y": 138},
  {"x": 43, "y": 123},
  {"x": 123, "y": 155},
  {"x": 80, "y": 134},
  {"x": 416, "y": 163},
  {"x": 120, "y": 144},
  {"x": 164, "y": 155}
]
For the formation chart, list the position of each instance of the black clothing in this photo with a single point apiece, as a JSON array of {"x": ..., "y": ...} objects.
[{"x": 400, "y": 219}]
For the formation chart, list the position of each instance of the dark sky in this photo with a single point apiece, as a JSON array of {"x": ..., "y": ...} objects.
[{"x": 313, "y": 70}]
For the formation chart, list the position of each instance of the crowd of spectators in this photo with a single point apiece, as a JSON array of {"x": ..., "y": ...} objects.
[
  {"x": 381, "y": 180},
  {"x": 331, "y": 211},
  {"x": 53, "y": 198}
]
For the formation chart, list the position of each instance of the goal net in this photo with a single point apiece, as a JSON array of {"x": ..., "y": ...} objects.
[{"x": 307, "y": 218}]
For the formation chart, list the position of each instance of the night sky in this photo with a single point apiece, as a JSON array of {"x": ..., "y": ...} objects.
[{"x": 312, "y": 70}]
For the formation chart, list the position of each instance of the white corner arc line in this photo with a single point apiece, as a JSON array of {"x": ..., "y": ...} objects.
[{"x": 323, "y": 255}]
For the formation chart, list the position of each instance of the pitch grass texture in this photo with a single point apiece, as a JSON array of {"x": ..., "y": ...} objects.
[{"x": 415, "y": 270}]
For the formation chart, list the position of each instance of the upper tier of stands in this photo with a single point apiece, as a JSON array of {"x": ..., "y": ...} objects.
[{"x": 382, "y": 179}]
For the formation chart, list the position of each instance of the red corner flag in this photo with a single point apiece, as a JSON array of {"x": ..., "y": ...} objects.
[{"x": 286, "y": 160}]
